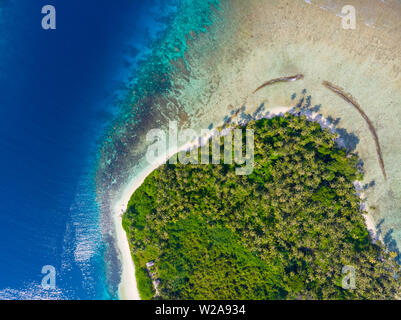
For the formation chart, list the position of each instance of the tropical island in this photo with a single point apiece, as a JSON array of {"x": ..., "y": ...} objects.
[{"x": 286, "y": 231}]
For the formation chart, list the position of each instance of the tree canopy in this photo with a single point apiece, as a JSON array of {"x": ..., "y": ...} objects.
[{"x": 283, "y": 232}]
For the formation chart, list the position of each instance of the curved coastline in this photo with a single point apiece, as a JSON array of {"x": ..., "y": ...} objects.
[
  {"x": 128, "y": 286},
  {"x": 292, "y": 49}
]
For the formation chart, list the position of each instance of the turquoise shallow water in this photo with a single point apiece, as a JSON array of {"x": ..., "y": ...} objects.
[
  {"x": 234, "y": 48},
  {"x": 76, "y": 104},
  {"x": 58, "y": 92},
  {"x": 139, "y": 109}
]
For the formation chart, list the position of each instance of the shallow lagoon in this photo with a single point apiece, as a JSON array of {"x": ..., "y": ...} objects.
[{"x": 245, "y": 44}]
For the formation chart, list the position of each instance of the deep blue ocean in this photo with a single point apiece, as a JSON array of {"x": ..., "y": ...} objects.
[{"x": 57, "y": 93}]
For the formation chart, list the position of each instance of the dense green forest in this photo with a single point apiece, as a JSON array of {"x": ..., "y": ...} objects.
[{"x": 283, "y": 232}]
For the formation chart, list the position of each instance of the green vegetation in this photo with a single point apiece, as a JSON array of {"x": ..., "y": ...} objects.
[
  {"x": 283, "y": 232},
  {"x": 144, "y": 282}
]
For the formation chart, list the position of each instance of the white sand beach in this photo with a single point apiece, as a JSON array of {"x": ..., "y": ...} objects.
[
  {"x": 251, "y": 42},
  {"x": 128, "y": 287}
]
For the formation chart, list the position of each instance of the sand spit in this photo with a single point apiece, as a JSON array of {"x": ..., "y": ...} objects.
[
  {"x": 282, "y": 79},
  {"x": 257, "y": 40},
  {"x": 254, "y": 40},
  {"x": 372, "y": 129}
]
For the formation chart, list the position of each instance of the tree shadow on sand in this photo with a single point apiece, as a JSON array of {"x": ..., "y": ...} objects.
[
  {"x": 305, "y": 107},
  {"x": 388, "y": 239}
]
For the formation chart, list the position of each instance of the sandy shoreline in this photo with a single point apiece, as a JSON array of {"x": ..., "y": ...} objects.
[
  {"x": 128, "y": 287},
  {"x": 260, "y": 44}
]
